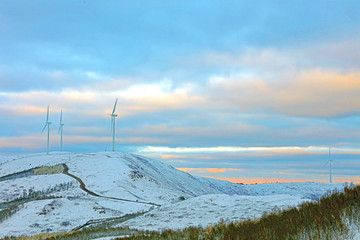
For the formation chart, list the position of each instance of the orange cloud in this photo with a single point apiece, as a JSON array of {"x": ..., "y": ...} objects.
[
  {"x": 355, "y": 180},
  {"x": 211, "y": 170},
  {"x": 221, "y": 170},
  {"x": 279, "y": 180},
  {"x": 23, "y": 110},
  {"x": 186, "y": 169},
  {"x": 263, "y": 180},
  {"x": 169, "y": 156},
  {"x": 314, "y": 93},
  {"x": 25, "y": 142}
]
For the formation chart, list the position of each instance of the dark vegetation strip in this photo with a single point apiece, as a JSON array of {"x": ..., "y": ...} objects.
[
  {"x": 7, "y": 212},
  {"x": 25, "y": 173},
  {"x": 33, "y": 171},
  {"x": 83, "y": 187},
  {"x": 65, "y": 170},
  {"x": 10, "y": 208},
  {"x": 107, "y": 222},
  {"x": 77, "y": 235},
  {"x": 102, "y": 229}
]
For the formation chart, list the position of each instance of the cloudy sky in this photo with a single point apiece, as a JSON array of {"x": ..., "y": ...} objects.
[{"x": 248, "y": 91}]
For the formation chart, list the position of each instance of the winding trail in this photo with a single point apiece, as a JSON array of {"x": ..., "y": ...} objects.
[
  {"x": 103, "y": 220},
  {"x": 65, "y": 170},
  {"x": 83, "y": 187}
]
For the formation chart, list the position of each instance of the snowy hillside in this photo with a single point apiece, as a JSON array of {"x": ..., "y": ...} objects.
[
  {"x": 63, "y": 191},
  {"x": 210, "y": 209},
  {"x": 123, "y": 175}
]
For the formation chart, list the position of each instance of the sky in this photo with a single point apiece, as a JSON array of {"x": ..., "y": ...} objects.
[{"x": 246, "y": 91}]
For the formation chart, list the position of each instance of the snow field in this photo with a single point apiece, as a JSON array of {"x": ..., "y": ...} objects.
[
  {"x": 211, "y": 209},
  {"x": 136, "y": 178},
  {"x": 64, "y": 214}
]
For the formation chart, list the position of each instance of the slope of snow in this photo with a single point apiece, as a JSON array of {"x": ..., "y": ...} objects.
[
  {"x": 124, "y": 175},
  {"x": 310, "y": 190},
  {"x": 119, "y": 175},
  {"x": 137, "y": 179},
  {"x": 11, "y": 189},
  {"x": 16, "y": 163},
  {"x": 224, "y": 186},
  {"x": 354, "y": 231},
  {"x": 211, "y": 209},
  {"x": 64, "y": 214}
]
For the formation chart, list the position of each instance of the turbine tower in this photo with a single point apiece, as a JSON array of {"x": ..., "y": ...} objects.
[
  {"x": 47, "y": 124},
  {"x": 330, "y": 164},
  {"x": 113, "y": 116},
  {"x": 61, "y": 132}
]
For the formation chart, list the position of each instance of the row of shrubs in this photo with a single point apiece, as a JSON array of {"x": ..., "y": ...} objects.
[
  {"x": 8, "y": 212},
  {"x": 77, "y": 235},
  {"x": 103, "y": 229},
  {"x": 14, "y": 206},
  {"x": 327, "y": 218},
  {"x": 11, "y": 207},
  {"x": 31, "y": 193}
]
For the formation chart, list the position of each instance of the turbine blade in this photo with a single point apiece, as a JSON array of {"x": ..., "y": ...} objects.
[
  {"x": 44, "y": 127},
  {"x": 326, "y": 163},
  {"x": 114, "y": 106},
  {"x": 59, "y": 129},
  {"x": 61, "y": 117}
]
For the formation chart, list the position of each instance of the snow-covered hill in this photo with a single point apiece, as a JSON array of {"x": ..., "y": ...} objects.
[
  {"x": 76, "y": 188},
  {"x": 210, "y": 209},
  {"x": 123, "y": 175}
]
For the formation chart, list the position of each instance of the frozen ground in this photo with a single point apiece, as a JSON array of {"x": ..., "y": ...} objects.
[
  {"x": 56, "y": 215},
  {"x": 210, "y": 209},
  {"x": 141, "y": 181}
]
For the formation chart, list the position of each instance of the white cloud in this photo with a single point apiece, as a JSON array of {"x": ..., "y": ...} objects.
[{"x": 155, "y": 149}]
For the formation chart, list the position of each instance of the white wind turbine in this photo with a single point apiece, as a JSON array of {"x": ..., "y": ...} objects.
[
  {"x": 47, "y": 124},
  {"x": 330, "y": 164},
  {"x": 61, "y": 132},
  {"x": 113, "y": 116}
]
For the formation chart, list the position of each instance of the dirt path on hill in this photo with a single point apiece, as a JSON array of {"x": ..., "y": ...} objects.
[
  {"x": 83, "y": 187},
  {"x": 104, "y": 220},
  {"x": 63, "y": 168}
]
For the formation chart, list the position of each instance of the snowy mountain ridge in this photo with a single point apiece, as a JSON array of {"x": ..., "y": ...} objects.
[{"x": 63, "y": 191}]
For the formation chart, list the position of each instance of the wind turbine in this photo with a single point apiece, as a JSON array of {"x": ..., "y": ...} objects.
[
  {"x": 113, "y": 116},
  {"x": 330, "y": 164},
  {"x": 47, "y": 124},
  {"x": 61, "y": 131}
]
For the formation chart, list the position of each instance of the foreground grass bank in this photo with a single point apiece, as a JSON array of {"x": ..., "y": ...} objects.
[{"x": 328, "y": 218}]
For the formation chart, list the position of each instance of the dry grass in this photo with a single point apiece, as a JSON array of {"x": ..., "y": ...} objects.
[
  {"x": 46, "y": 170},
  {"x": 323, "y": 219}
]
